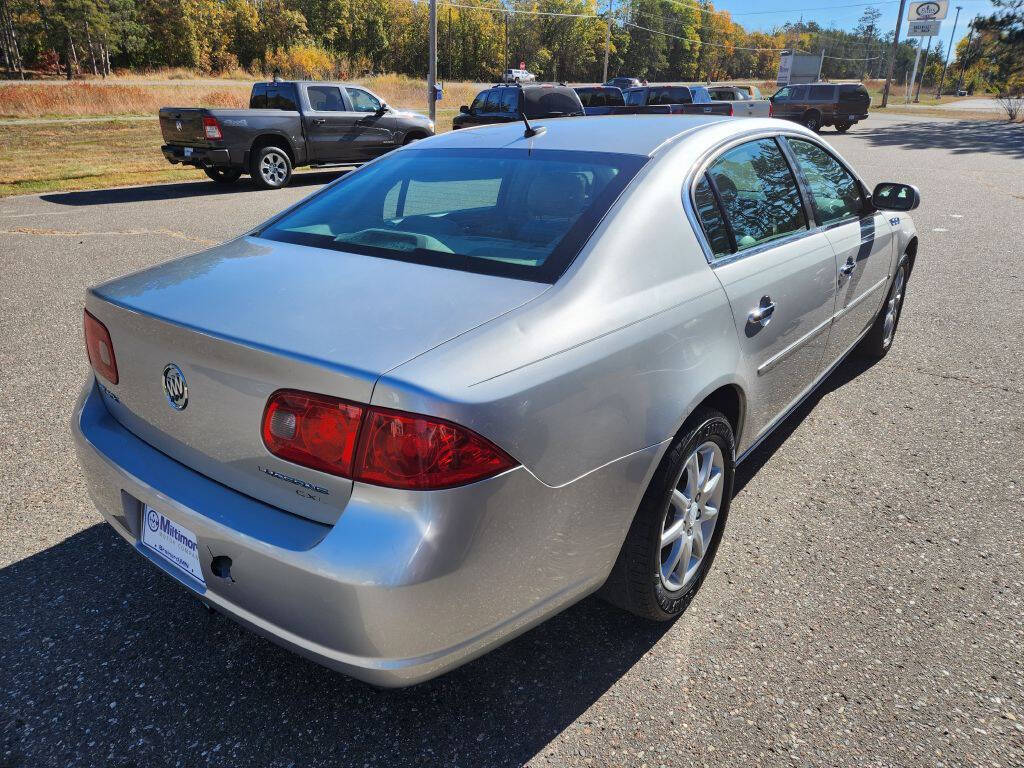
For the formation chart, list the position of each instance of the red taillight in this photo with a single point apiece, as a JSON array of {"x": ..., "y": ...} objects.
[
  {"x": 313, "y": 430},
  {"x": 731, "y": 112},
  {"x": 376, "y": 445},
  {"x": 771, "y": 109},
  {"x": 402, "y": 450},
  {"x": 100, "y": 349},
  {"x": 212, "y": 128}
]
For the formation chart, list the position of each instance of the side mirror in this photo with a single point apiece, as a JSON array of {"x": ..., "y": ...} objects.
[
  {"x": 383, "y": 108},
  {"x": 893, "y": 196},
  {"x": 464, "y": 109}
]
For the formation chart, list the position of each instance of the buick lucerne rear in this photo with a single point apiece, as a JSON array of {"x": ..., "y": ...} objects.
[{"x": 472, "y": 382}]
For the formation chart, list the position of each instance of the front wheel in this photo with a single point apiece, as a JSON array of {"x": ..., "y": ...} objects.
[
  {"x": 675, "y": 534},
  {"x": 223, "y": 175},
  {"x": 271, "y": 168},
  {"x": 879, "y": 340},
  {"x": 844, "y": 126}
]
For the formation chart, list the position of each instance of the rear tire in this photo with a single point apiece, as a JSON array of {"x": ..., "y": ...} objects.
[
  {"x": 812, "y": 120},
  {"x": 878, "y": 342},
  {"x": 270, "y": 168},
  {"x": 843, "y": 127},
  {"x": 223, "y": 175},
  {"x": 676, "y": 531}
]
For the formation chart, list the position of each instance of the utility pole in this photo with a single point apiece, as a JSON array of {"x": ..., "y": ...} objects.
[
  {"x": 938, "y": 91},
  {"x": 963, "y": 64},
  {"x": 432, "y": 70},
  {"x": 895, "y": 48},
  {"x": 913, "y": 75},
  {"x": 924, "y": 68},
  {"x": 607, "y": 41}
]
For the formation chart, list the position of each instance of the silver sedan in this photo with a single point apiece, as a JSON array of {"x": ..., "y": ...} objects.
[{"x": 483, "y": 377}]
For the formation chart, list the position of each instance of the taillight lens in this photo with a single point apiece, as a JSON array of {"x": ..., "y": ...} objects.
[
  {"x": 403, "y": 450},
  {"x": 377, "y": 445},
  {"x": 100, "y": 349},
  {"x": 313, "y": 430},
  {"x": 771, "y": 109},
  {"x": 212, "y": 128}
]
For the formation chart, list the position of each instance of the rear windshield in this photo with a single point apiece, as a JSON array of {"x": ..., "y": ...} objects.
[
  {"x": 508, "y": 212},
  {"x": 670, "y": 95},
  {"x": 600, "y": 97},
  {"x": 635, "y": 98},
  {"x": 273, "y": 96}
]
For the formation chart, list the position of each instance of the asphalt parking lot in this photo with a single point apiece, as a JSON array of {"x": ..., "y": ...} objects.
[{"x": 865, "y": 608}]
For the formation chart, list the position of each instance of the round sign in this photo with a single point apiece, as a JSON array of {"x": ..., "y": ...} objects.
[
  {"x": 928, "y": 9},
  {"x": 522, "y": 65}
]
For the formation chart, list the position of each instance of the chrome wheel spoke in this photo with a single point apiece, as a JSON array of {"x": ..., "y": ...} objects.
[
  {"x": 673, "y": 532},
  {"x": 708, "y": 513},
  {"x": 712, "y": 483},
  {"x": 668, "y": 569},
  {"x": 698, "y": 540}
]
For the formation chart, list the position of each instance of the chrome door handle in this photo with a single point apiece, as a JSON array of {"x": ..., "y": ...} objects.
[
  {"x": 319, "y": 120},
  {"x": 762, "y": 313},
  {"x": 848, "y": 267}
]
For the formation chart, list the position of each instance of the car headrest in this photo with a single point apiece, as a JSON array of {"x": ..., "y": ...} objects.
[{"x": 556, "y": 195}]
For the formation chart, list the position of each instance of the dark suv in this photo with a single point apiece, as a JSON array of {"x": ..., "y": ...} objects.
[
  {"x": 505, "y": 103},
  {"x": 819, "y": 104}
]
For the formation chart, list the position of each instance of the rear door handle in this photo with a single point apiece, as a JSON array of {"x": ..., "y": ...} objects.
[
  {"x": 762, "y": 313},
  {"x": 319, "y": 120},
  {"x": 848, "y": 267}
]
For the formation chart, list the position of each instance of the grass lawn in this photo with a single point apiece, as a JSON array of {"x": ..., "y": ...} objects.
[{"x": 54, "y": 157}]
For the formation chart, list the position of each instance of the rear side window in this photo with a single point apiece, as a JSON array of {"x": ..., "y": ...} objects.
[
  {"x": 710, "y": 215},
  {"x": 510, "y": 100},
  {"x": 635, "y": 98},
  {"x": 282, "y": 97},
  {"x": 325, "y": 98},
  {"x": 834, "y": 192},
  {"x": 822, "y": 92},
  {"x": 798, "y": 92},
  {"x": 759, "y": 193}
]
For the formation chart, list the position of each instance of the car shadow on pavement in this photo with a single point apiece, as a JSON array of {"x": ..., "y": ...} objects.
[
  {"x": 852, "y": 367},
  {"x": 958, "y": 136},
  {"x": 106, "y": 660},
  {"x": 176, "y": 191}
]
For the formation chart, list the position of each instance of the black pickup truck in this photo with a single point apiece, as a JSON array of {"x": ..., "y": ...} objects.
[{"x": 288, "y": 124}]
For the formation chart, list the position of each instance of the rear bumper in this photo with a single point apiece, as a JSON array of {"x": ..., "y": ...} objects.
[
  {"x": 406, "y": 585},
  {"x": 200, "y": 157}
]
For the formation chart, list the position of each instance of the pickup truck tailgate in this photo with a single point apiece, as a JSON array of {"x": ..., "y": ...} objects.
[{"x": 183, "y": 126}]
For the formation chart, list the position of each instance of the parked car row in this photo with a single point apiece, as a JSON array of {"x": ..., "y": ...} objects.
[{"x": 294, "y": 123}]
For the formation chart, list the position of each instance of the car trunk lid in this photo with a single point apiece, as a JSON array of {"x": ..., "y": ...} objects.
[{"x": 253, "y": 316}]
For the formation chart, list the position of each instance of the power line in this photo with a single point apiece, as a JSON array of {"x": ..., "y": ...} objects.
[{"x": 702, "y": 42}]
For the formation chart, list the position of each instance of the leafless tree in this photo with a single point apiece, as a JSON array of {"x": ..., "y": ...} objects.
[{"x": 1013, "y": 105}]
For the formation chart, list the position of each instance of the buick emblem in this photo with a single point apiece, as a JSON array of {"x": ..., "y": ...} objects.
[
  {"x": 175, "y": 387},
  {"x": 177, "y": 125}
]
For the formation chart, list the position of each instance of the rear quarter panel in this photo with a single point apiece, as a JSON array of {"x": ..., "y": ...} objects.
[
  {"x": 241, "y": 127},
  {"x": 609, "y": 361}
]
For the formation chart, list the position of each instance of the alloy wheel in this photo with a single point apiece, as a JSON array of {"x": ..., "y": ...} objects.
[
  {"x": 691, "y": 516},
  {"x": 274, "y": 168}
]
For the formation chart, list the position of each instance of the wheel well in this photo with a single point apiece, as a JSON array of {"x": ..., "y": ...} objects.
[
  {"x": 271, "y": 140},
  {"x": 415, "y": 135},
  {"x": 729, "y": 400},
  {"x": 911, "y": 255}
]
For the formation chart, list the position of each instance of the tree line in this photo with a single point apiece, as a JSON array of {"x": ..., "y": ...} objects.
[{"x": 660, "y": 40}]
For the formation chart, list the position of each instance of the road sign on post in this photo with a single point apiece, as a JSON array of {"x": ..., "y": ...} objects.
[
  {"x": 928, "y": 28},
  {"x": 928, "y": 10}
]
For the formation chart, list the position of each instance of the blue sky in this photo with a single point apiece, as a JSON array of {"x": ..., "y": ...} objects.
[{"x": 765, "y": 14}]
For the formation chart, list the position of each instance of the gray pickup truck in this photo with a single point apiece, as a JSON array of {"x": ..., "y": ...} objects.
[
  {"x": 288, "y": 124},
  {"x": 743, "y": 103},
  {"x": 673, "y": 100}
]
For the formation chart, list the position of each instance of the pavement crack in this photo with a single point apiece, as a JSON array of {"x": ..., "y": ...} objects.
[
  {"x": 968, "y": 380},
  {"x": 42, "y": 231}
]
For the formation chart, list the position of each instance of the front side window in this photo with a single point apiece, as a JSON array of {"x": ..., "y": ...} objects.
[
  {"x": 479, "y": 102},
  {"x": 509, "y": 212},
  {"x": 363, "y": 101},
  {"x": 835, "y": 193},
  {"x": 493, "y": 103},
  {"x": 510, "y": 101},
  {"x": 783, "y": 94},
  {"x": 758, "y": 192},
  {"x": 325, "y": 98}
]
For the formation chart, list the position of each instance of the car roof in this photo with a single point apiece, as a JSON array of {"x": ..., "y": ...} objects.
[{"x": 623, "y": 134}]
